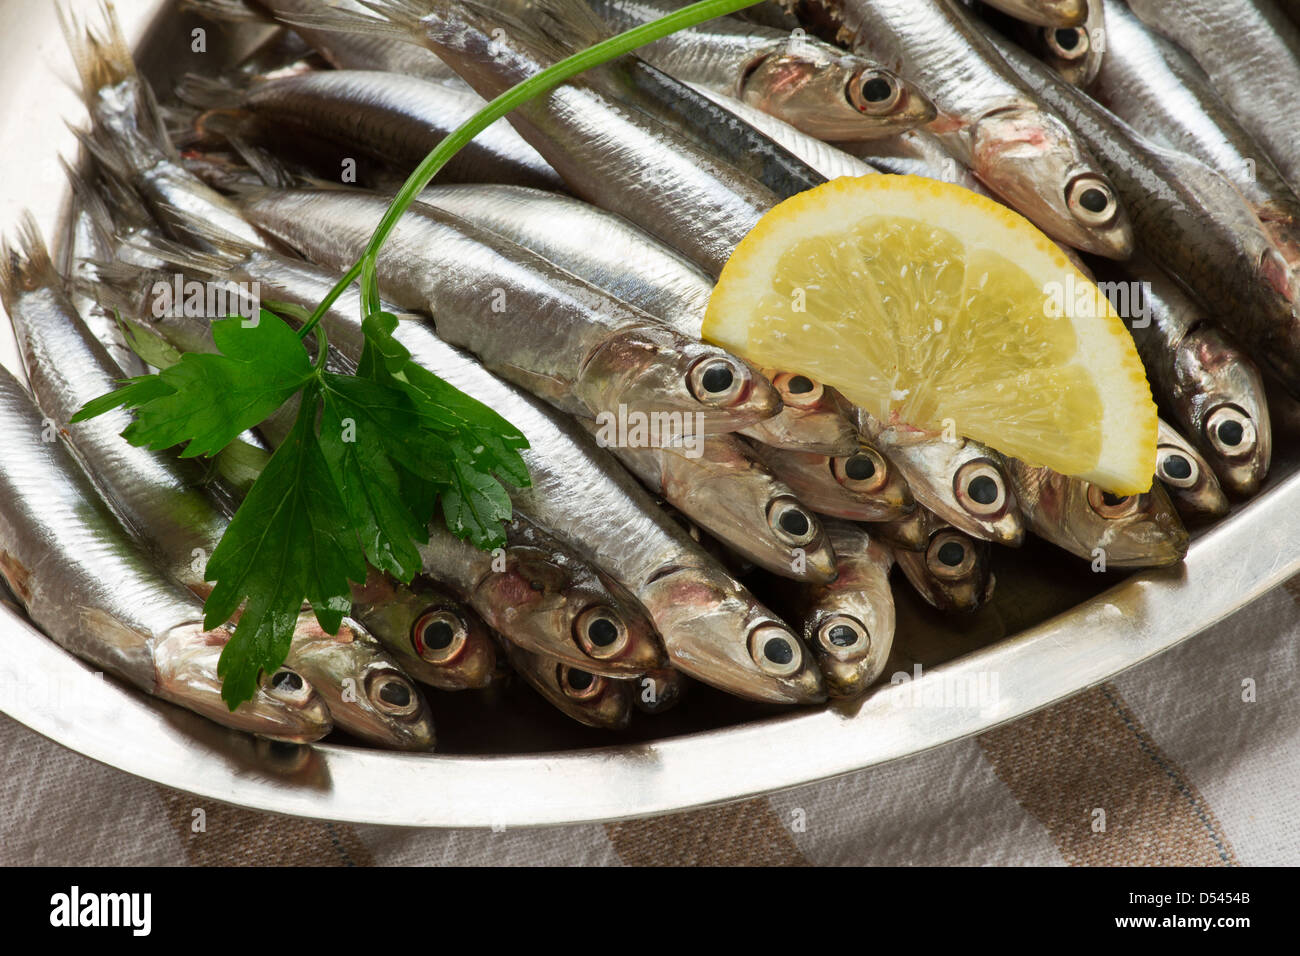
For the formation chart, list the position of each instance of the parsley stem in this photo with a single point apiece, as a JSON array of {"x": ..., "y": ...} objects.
[{"x": 517, "y": 95}]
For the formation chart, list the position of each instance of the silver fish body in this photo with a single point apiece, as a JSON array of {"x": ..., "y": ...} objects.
[
  {"x": 816, "y": 87},
  {"x": 953, "y": 572},
  {"x": 1156, "y": 87},
  {"x": 1190, "y": 220},
  {"x": 1044, "y": 13},
  {"x": 393, "y": 119},
  {"x": 607, "y": 153},
  {"x": 541, "y": 327},
  {"x": 849, "y": 622},
  {"x": 988, "y": 117},
  {"x": 621, "y": 259},
  {"x": 1187, "y": 477},
  {"x": 1136, "y": 531},
  {"x": 863, "y": 486},
  {"x": 1251, "y": 52},
  {"x": 94, "y": 590},
  {"x": 600, "y": 702}
]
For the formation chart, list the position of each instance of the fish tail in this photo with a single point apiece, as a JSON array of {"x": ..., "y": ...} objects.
[
  {"x": 210, "y": 93},
  {"x": 393, "y": 19},
  {"x": 27, "y": 266}
]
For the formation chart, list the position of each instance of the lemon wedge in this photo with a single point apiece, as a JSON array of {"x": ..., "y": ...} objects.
[{"x": 929, "y": 305}]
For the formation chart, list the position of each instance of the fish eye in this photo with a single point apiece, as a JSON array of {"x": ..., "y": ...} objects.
[
  {"x": 950, "y": 555},
  {"x": 1110, "y": 506},
  {"x": 289, "y": 686},
  {"x": 797, "y": 390},
  {"x": 600, "y": 632},
  {"x": 844, "y": 637},
  {"x": 980, "y": 488},
  {"x": 1231, "y": 432},
  {"x": 438, "y": 635},
  {"x": 718, "y": 381},
  {"x": 392, "y": 694},
  {"x": 864, "y": 471},
  {"x": 791, "y": 522},
  {"x": 1091, "y": 200},
  {"x": 775, "y": 651},
  {"x": 874, "y": 92},
  {"x": 1175, "y": 467},
  {"x": 1067, "y": 43},
  {"x": 578, "y": 684}
]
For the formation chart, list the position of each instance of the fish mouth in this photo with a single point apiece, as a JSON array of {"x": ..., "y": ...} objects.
[
  {"x": 1146, "y": 531},
  {"x": 716, "y": 632},
  {"x": 1031, "y": 160}
]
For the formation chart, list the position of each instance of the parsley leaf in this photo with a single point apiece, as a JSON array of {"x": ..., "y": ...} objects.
[{"x": 291, "y": 540}]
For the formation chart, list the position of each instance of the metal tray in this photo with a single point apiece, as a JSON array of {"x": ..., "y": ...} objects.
[{"x": 505, "y": 759}]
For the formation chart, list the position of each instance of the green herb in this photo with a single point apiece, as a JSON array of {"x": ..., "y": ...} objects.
[{"x": 370, "y": 457}]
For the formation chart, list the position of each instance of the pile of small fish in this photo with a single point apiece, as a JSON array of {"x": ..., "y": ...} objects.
[{"x": 1157, "y": 142}]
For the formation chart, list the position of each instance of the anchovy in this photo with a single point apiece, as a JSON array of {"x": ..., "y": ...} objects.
[
  {"x": 588, "y": 698},
  {"x": 1193, "y": 223},
  {"x": 989, "y": 118},
  {"x": 597, "y": 246},
  {"x": 1077, "y": 51},
  {"x": 93, "y": 589},
  {"x": 1210, "y": 388},
  {"x": 1133, "y": 531},
  {"x": 1187, "y": 477},
  {"x": 816, "y": 87},
  {"x": 724, "y": 488},
  {"x": 953, "y": 572},
  {"x": 1155, "y": 86},
  {"x": 435, "y": 637},
  {"x": 1251, "y": 52},
  {"x": 908, "y": 533},
  {"x": 960, "y": 480},
  {"x": 863, "y": 486},
  {"x": 849, "y": 623},
  {"x": 171, "y": 506},
  {"x": 393, "y": 119},
  {"x": 535, "y": 324}
]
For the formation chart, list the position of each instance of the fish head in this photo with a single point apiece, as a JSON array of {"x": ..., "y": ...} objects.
[
  {"x": 908, "y": 533},
  {"x": 591, "y": 699},
  {"x": 1069, "y": 51},
  {"x": 554, "y": 605},
  {"x": 285, "y": 706},
  {"x": 832, "y": 95},
  {"x": 812, "y": 418},
  {"x": 440, "y": 641},
  {"x": 1223, "y": 400},
  {"x": 1190, "y": 481},
  {"x": 850, "y": 624},
  {"x": 695, "y": 389},
  {"x": 747, "y": 507},
  {"x": 716, "y": 632},
  {"x": 365, "y": 690},
  {"x": 961, "y": 481},
  {"x": 1033, "y": 161},
  {"x": 1131, "y": 531},
  {"x": 953, "y": 573},
  {"x": 871, "y": 478}
]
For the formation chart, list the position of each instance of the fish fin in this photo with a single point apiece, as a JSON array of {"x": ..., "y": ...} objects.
[
  {"x": 226, "y": 249},
  {"x": 228, "y": 11},
  {"x": 211, "y": 93},
  {"x": 393, "y": 19},
  {"x": 27, "y": 266}
]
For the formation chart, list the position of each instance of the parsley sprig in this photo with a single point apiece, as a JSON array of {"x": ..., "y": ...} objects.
[{"x": 371, "y": 457}]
